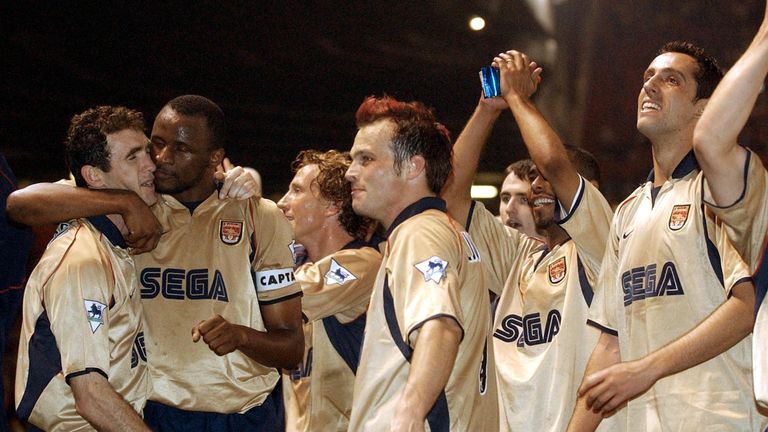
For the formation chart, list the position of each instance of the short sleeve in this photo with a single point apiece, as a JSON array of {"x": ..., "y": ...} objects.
[
  {"x": 423, "y": 275},
  {"x": 339, "y": 284},
  {"x": 272, "y": 263},
  {"x": 77, "y": 301}
]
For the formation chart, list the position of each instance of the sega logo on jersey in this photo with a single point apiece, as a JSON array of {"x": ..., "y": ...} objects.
[
  {"x": 679, "y": 216},
  {"x": 178, "y": 284},
  {"x": 230, "y": 232},
  {"x": 139, "y": 350},
  {"x": 641, "y": 283},
  {"x": 527, "y": 330},
  {"x": 557, "y": 271},
  {"x": 269, "y": 280}
]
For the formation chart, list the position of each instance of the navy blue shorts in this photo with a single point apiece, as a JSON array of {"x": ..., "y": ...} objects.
[{"x": 267, "y": 417}]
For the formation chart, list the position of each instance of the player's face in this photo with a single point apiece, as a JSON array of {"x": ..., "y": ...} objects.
[
  {"x": 666, "y": 102},
  {"x": 542, "y": 201},
  {"x": 131, "y": 166},
  {"x": 303, "y": 206},
  {"x": 514, "y": 209},
  {"x": 183, "y": 154},
  {"x": 375, "y": 185}
]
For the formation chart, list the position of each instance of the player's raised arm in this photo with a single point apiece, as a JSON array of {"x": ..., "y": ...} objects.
[
  {"x": 50, "y": 203},
  {"x": 519, "y": 80},
  {"x": 726, "y": 113},
  {"x": 466, "y": 156}
]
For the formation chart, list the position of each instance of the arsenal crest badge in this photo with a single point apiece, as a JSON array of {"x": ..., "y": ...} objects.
[
  {"x": 557, "y": 271},
  {"x": 679, "y": 216},
  {"x": 230, "y": 232}
]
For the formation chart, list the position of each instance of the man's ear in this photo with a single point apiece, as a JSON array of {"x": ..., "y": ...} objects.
[
  {"x": 217, "y": 157},
  {"x": 415, "y": 166},
  {"x": 332, "y": 208},
  {"x": 93, "y": 176},
  {"x": 700, "y": 105}
]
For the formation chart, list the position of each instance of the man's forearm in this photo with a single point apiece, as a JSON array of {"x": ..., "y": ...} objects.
[
  {"x": 49, "y": 203},
  {"x": 433, "y": 359},
  {"x": 605, "y": 354},
  {"x": 98, "y": 403},
  {"x": 274, "y": 348},
  {"x": 726, "y": 326},
  {"x": 466, "y": 156}
]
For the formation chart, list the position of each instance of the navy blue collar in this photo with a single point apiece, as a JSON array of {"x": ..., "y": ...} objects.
[
  {"x": 192, "y": 205},
  {"x": 103, "y": 224},
  {"x": 356, "y": 244},
  {"x": 688, "y": 164},
  {"x": 419, "y": 206}
]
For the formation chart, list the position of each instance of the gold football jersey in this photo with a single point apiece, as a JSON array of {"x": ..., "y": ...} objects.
[
  {"x": 82, "y": 314},
  {"x": 665, "y": 270},
  {"x": 496, "y": 243},
  {"x": 541, "y": 340},
  {"x": 337, "y": 290},
  {"x": 746, "y": 223},
  {"x": 428, "y": 270},
  {"x": 226, "y": 257}
]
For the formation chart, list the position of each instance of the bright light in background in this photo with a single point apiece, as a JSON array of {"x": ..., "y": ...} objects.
[
  {"x": 484, "y": 192},
  {"x": 476, "y": 23}
]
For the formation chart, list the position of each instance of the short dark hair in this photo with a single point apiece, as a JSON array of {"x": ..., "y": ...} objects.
[
  {"x": 86, "y": 142},
  {"x": 334, "y": 187},
  {"x": 524, "y": 169},
  {"x": 584, "y": 162},
  {"x": 195, "y": 105},
  {"x": 417, "y": 132},
  {"x": 708, "y": 74}
]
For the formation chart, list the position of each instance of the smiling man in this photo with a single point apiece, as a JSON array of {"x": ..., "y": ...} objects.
[
  {"x": 674, "y": 301},
  {"x": 423, "y": 358},
  {"x": 82, "y": 362},
  {"x": 540, "y": 341}
]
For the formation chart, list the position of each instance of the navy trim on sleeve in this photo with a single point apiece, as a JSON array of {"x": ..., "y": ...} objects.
[
  {"x": 712, "y": 252},
  {"x": 281, "y": 299},
  {"x": 574, "y": 205},
  {"x": 586, "y": 288},
  {"x": 85, "y": 371},
  {"x": 602, "y": 328},
  {"x": 743, "y": 191},
  {"x": 469, "y": 214}
]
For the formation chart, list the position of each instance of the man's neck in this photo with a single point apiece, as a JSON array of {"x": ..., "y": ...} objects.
[
  {"x": 555, "y": 235},
  {"x": 667, "y": 154},
  {"x": 325, "y": 241}
]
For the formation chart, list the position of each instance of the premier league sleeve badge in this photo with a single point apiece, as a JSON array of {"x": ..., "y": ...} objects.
[{"x": 433, "y": 269}]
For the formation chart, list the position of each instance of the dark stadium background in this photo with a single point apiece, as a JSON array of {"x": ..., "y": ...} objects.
[{"x": 289, "y": 75}]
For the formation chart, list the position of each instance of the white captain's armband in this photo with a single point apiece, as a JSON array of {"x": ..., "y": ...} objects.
[{"x": 270, "y": 280}]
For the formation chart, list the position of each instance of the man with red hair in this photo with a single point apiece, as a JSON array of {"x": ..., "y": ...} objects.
[{"x": 427, "y": 324}]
